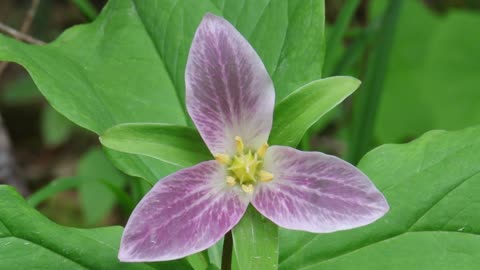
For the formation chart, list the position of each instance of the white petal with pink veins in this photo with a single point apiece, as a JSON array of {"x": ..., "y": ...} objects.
[
  {"x": 228, "y": 90},
  {"x": 184, "y": 213},
  {"x": 315, "y": 192}
]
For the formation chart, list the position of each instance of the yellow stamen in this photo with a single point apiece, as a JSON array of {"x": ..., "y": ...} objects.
[
  {"x": 223, "y": 158},
  {"x": 265, "y": 176},
  {"x": 248, "y": 188},
  {"x": 261, "y": 151},
  {"x": 239, "y": 144},
  {"x": 231, "y": 181}
]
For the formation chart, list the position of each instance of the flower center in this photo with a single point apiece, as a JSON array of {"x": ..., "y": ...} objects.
[{"x": 245, "y": 167}]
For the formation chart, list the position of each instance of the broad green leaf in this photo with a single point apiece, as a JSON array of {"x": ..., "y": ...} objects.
[
  {"x": 432, "y": 186},
  {"x": 434, "y": 62},
  {"x": 416, "y": 250},
  {"x": 54, "y": 187},
  {"x": 102, "y": 82},
  {"x": 97, "y": 199},
  {"x": 29, "y": 240},
  {"x": 255, "y": 242},
  {"x": 56, "y": 129},
  {"x": 142, "y": 167},
  {"x": 288, "y": 35},
  {"x": 132, "y": 67},
  {"x": 176, "y": 145},
  {"x": 115, "y": 77},
  {"x": 302, "y": 108}
]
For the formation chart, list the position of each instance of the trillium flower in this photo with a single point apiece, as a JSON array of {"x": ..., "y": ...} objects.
[{"x": 230, "y": 98}]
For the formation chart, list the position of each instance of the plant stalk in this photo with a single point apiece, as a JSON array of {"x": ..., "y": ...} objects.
[
  {"x": 87, "y": 8},
  {"x": 227, "y": 251},
  {"x": 337, "y": 34},
  {"x": 367, "y": 98}
]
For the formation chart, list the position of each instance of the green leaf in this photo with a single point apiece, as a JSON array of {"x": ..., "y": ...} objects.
[
  {"x": 29, "y": 240},
  {"x": 132, "y": 67},
  {"x": 96, "y": 198},
  {"x": 176, "y": 145},
  {"x": 418, "y": 250},
  {"x": 198, "y": 261},
  {"x": 432, "y": 186},
  {"x": 435, "y": 62},
  {"x": 212, "y": 267},
  {"x": 94, "y": 83},
  {"x": 54, "y": 187},
  {"x": 56, "y": 129},
  {"x": 142, "y": 167},
  {"x": 114, "y": 78},
  {"x": 288, "y": 35},
  {"x": 121, "y": 196},
  {"x": 301, "y": 109},
  {"x": 255, "y": 242},
  {"x": 215, "y": 254}
]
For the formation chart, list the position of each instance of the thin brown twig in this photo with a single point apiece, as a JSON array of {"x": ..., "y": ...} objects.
[
  {"x": 22, "y": 34},
  {"x": 27, "y": 21},
  {"x": 19, "y": 35}
]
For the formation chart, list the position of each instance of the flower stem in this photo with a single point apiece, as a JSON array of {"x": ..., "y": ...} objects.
[
  {"x": 87, "y": 8},
  {"x": 227, "y": 252}
]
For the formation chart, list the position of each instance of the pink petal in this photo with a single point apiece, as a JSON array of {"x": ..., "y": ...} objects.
[
  {"x": 315, "y": 192},
  {"x": 184, "y": 213},
  {"x": 228, "y": 90}
]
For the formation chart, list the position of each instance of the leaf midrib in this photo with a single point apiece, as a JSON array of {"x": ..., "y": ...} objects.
[
  {"x": 221, "y": 11},
  {"x": 169, "y": 73},
  {"x": 47, "y": 248},
  {"x": 81, "y": 264}
]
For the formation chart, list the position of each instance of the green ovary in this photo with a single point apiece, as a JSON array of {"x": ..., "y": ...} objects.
[{"x": 245, "y": 167}]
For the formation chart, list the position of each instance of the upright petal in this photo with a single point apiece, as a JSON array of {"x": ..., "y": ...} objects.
[
  {"x": 228, "y": 90},
  {"x": 315, "y": 192},
  {"x": 185, "y": 213}
]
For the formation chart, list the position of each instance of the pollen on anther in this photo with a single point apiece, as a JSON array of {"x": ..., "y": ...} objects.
[
  {"x": 223, "y": 158},
  {"x": 248, "y": 188},
  {"x": 261, "y": 151},
  {"x": 265, "y": 176},
  {"x": 231, "y": 181},
  {"x": 239, "y": 144}
]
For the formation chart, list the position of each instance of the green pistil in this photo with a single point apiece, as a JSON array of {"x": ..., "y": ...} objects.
[{"x": 245, "y": 167}]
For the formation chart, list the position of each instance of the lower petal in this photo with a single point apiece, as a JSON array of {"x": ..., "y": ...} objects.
[
  {"x": 184, "y": 213},
  {"x": 315, "y": 192}
]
